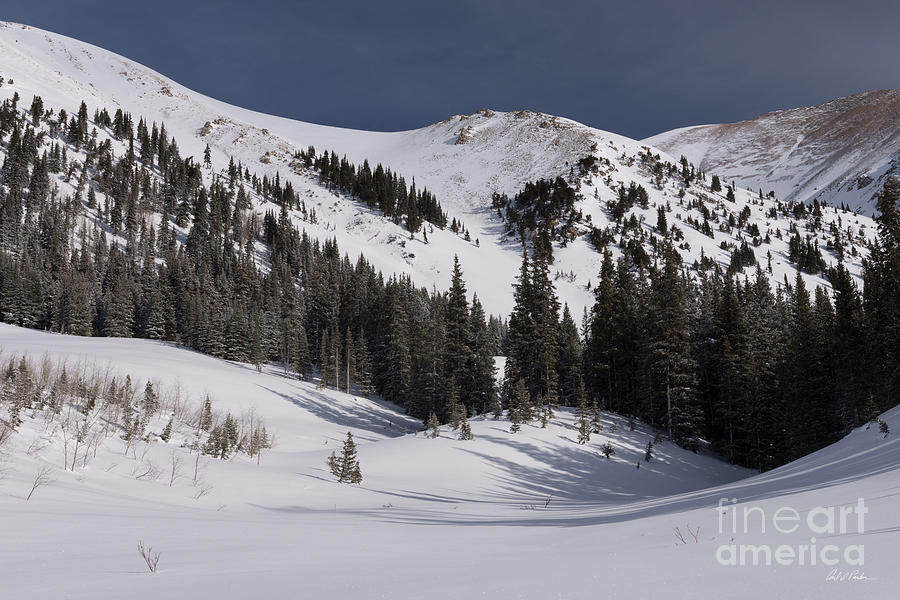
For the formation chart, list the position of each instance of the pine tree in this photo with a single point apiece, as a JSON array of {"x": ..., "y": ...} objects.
[
  {"x": 434, "y": 425},
  {"x": 479, "y": 383},
  {"x": 520, "y": 398},
  {"x": 673, "y": 401},
  {"x": 363, "y": 367},
  {"x": 302, "y": 360},
  {"x": 812, "y": 410},
  {"x": 881, "y": 299},
  {"x": 346, "y": 466},
  {"x": 514, "y": 420},
  {"x": 648, "y": 453},
  {"x": 455, "y": 408},
  {"x": 465, "y": 431},
  {"x": 458, "y": 340},
  {"x": 546, "y": 414},
  {"x": 596, "y": 423},
  {"x": 584, "y": 426},
  {"x": 167, "y": 432},
  {"x": 569, "y": 360},
  {"x": 151, "y": 401},
  {"x": 206, "y": 418}
]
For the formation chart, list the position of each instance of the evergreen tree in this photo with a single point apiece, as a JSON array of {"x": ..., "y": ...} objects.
[
  {"x": 480, "y": 373},
  {"x": 672, "y": 401},
  {"x": 569, "y": 360},
  {"x": 465, "y": 431},
  {"x": 434, "y": 425},
  {"x": 456, "y": 409},
  {"x": 458, "y": 339},
  {"x": 584, "y": 426},
  {"x": 346, "y": 466},
  {"x": 151, "y": 401}
]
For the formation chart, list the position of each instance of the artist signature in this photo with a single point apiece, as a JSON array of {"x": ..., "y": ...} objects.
[{"x": 841, "y": 576}]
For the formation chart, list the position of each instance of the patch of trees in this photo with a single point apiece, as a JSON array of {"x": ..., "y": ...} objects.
[
  {"x": 543, "y": 211},
  {"x": 765, "y": 376},
  {"x": 145, "y": 248},
  {"x": 379, "y": 189}
]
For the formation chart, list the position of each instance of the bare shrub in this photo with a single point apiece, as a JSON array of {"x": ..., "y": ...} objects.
[
  {"x": 146, "y": 470},
  {"x": 203, "y": 489},
  {"x": 679, "y": 536},
  {"x": 40, "y": 480},
  {"x": 150, "y": 557},
  {"x": 175, "y": 460}
]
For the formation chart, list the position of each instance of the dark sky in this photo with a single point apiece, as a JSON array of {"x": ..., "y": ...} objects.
[{"x": 633, "y": 67}]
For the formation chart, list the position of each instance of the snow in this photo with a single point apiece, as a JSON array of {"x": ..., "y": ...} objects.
[
  {"x": 838, "y": 152},
  {"x": 525, "y": 515},
  {"x": 498, "y": 152}
]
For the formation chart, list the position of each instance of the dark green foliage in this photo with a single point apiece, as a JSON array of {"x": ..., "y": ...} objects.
[
  {"x": 545, "y": 210},
  {"x": 465, "y": 431},
  {"x": 223, "y": 439},
  {"x": 584, "y": 426},
  {"x": 434, "y": 425},
  {"x": 569, "y": 360},
  {"x": 380, "y": 189},
  {"x": 533, "y": 343},
  {"x": 167, "y": 432},
  {"x": 310, "y": 308},
  {"x": 346, "y": 466}
]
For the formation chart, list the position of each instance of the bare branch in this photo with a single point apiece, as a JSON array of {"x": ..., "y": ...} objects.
[
  {"x": 150, "y": 557},
  {"x": 40, "y": 480}
]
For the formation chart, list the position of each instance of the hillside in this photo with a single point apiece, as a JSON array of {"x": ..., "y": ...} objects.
[
  {"x": 463, "y": 160},
  {"x": 840, "y": 152},
  {"x": 454, "y": 517}
]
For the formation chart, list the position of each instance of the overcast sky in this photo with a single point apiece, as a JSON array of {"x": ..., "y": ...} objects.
[{"x": 633, "y": 67}]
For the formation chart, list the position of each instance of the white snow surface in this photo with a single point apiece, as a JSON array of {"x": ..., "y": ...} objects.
[{"x": 525, "y": 515}]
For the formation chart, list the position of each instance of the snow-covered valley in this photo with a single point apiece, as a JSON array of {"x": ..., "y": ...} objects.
[{"x": 525, "y": 515}]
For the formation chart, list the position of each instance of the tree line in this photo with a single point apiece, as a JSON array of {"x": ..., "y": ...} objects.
[
  {"x": 145, "y": 248},
  {"x": 764, "y": 375}
]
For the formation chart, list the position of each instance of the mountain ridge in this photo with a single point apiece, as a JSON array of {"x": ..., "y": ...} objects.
[{"x": 839, "y": 152}]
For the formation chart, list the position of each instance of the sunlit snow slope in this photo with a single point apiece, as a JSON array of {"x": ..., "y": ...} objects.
[{"x": 525, "y": 515}]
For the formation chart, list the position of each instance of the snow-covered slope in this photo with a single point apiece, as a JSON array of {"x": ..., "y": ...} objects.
[
  {"x": 839, "y": 152},
  {"x": 504, "y": 151},
  {"x": 525, "y": 515},
  {"x": 464, "y": 160}
]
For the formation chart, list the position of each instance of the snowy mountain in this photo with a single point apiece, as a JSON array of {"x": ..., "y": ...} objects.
[
  {"x": 464, "y": 160},
  {"x": 840, "y": 152},
  {"x": 112, "y": 445},
  {"x": 453, "y": 517}
]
